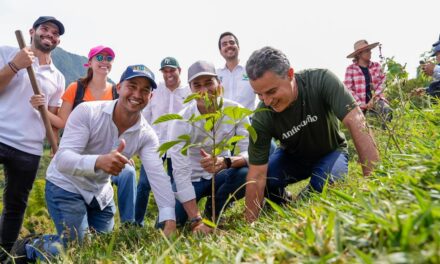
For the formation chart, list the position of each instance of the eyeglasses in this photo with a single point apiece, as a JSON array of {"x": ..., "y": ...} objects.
[{"x": 101, "y": 57}]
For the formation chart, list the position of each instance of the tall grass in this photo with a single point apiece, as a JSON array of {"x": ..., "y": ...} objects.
[{"x": 393, "y": 216}]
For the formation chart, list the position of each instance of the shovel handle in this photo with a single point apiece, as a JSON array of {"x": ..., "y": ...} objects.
[{"x": 43, "y": 110}]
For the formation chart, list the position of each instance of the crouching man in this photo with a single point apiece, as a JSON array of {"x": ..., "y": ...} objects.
[{"x": 98, "y": 141}]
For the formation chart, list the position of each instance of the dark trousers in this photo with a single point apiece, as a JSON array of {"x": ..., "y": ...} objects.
[{"x": 20, "y": 169}]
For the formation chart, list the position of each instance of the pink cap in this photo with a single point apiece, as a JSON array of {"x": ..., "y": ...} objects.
[{"x": 98, "y": 49}]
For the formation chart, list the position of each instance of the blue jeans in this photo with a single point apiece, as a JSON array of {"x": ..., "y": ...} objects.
[
  {"x": 143, "y": 192},
  {"x": 72, "y": 217},
  {"x": 126, "y": 182},
  {"x": 20, "y": 169},
  {"x": 285, "y": 169},
  {"x": 226, "y": 183}
]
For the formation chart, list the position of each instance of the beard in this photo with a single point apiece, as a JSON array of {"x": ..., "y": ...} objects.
[{"x": 42, "y": 47}]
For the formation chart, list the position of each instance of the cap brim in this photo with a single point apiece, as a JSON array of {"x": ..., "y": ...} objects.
[
  {"x": 200, "y": 74},
  {"x": 152, "y": 82},
  {"x": 57, "y": 23},
  {"x": 369, "y": 46},
  {"x": 169, "y": 66}
]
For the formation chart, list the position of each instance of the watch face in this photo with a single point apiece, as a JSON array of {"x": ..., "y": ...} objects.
[{"x": 228, "y": 162}]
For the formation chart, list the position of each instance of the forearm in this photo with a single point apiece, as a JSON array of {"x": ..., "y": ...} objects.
[
  {"x": 255, "y": 184},
  {"x": 238, "y": 162},
  {"x": 6, "y": 75},
  {"x": 363, "y": 140},
  {"x": 191, "y": 208}
]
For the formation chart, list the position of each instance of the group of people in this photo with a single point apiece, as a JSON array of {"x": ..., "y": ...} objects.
[{"x": 106, "y": 125}]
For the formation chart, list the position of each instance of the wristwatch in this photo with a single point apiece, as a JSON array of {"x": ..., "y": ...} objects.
[{"x": 228, "y": 162}]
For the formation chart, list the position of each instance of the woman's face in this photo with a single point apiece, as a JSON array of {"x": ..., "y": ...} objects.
[
  {"x": 101, "y": 63},
  {"x": 365, "y": 55}
]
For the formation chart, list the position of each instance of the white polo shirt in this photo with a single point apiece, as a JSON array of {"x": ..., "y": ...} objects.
[
  {"x": 164, "y": 101},
  {"x": 21, "y": 126},
  {"x": 90, "y": 132},
  {"x": 237, "y": 87},
  {"x": 187, "y": 169}
]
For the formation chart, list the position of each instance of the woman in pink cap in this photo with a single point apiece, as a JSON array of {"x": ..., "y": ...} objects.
[
  {"x": 365, "y": 79},
  {"x": 92, "y": 87}
]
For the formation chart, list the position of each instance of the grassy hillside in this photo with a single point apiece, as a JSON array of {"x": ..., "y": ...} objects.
[{"x": 393, "y": 216}]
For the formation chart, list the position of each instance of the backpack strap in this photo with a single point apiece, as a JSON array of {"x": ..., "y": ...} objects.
[
  {"x": 115, "y": 94},
  {"x": 79, "y": 95}
]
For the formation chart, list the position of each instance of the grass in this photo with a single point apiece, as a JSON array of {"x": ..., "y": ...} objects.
[{"x": 392, "y": 216}]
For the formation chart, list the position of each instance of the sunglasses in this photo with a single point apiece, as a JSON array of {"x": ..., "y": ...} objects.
[{"x": 101, "y": 57}]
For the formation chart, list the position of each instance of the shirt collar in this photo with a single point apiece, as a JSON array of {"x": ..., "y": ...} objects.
[
  {"x": 110, "y": 106},
  {"x": 51, "y": 66}
]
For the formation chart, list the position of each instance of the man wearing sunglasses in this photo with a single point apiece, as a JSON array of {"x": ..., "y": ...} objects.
[
  {"x": 78, "y": 190},
  {"x": 21, "y": 127}
]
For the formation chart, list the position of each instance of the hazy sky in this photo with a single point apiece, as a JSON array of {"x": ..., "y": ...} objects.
[{"x": 313, "y": 33}]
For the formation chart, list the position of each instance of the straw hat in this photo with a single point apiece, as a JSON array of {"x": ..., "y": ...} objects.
[{"x": 360, "y": 46}]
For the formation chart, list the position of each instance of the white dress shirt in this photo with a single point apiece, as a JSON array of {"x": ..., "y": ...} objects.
[
  {"x": 237, "y": 87},
  {"x": 90, "y": 132},
  {"x": 21, "y": 125},
  {"x": 187, "y": 169},
  {"x": 164, "y": 101}
]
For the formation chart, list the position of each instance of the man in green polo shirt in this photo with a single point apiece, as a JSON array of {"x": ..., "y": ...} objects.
[{"x": 304, "y": 114}]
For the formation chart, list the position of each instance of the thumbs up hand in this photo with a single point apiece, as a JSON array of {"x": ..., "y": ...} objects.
[
  {"x": 211, "y": 164},
  {"x": 113, "y": 162}
]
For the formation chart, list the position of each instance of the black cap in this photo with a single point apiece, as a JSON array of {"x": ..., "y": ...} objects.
[{"x": 44, "y": 19}]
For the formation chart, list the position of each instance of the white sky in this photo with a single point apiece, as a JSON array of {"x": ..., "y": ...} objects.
[{"x": 313, "y": 33}]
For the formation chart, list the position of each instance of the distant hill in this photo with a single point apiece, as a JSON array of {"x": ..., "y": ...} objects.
[{"x": 71, "y": 65}]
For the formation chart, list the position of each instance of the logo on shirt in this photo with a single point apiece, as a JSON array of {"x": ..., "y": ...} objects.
[
  {"x": 296, "y": 129},
  {"x": 245, "y": 77}
]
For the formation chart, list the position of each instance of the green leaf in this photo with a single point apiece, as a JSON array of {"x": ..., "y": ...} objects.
[
  {"x": 209, "y": 223},
  {"x": 209, "y": 124},
  {"x": 252, "y": 132},
  {"x": 167, "y": 145},
  {"x": 276, "y": 207},
  {"x": 185, "y": 137},
  {"x": 192, "y": 97},
  {"x": 343, "y": 195},
  {"x": 235, "y": 139},
  {"x": 167, "y": 117},
  {"x": 236, "y": 112}
]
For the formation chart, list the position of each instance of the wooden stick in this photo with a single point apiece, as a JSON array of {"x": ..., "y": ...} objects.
[{"x": 43, "y": 111}]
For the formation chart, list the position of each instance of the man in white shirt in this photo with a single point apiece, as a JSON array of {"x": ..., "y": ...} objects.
[
  {"x": 193, "y": 173},
  {"x": 99, "y": 139},
  {"x": 167, "y": 99},
  {"x": 21, "y": 128},
  {"x": 233, "y": 76}
]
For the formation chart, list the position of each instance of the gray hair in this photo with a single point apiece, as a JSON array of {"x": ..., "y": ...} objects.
[{"x": 267, "y": 59}]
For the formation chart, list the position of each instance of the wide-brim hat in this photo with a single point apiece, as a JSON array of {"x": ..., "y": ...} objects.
[{"x": 361, "y": 45}]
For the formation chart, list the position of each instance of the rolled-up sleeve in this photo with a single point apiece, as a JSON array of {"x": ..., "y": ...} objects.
[
  {"x": 181, "y": 163},
  {"x": 159, "y": 181}
]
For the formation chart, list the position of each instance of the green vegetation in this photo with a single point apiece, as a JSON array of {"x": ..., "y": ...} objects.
[{"x": 392, "y": 216}]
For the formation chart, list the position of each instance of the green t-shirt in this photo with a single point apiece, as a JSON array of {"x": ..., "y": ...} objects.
[{"x": 309, "y": 127}]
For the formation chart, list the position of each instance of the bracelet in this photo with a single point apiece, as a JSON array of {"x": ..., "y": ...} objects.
[
  {"x": 228, "y": 162},
  {"x": 13, "y": 67},
  {"x": 196, "y": 221}
]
